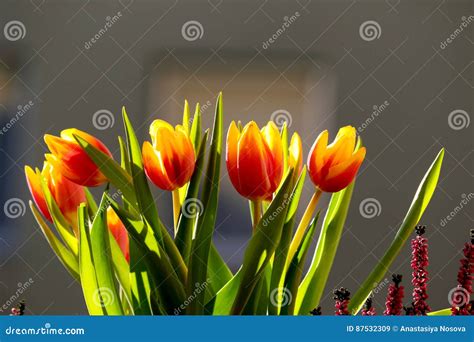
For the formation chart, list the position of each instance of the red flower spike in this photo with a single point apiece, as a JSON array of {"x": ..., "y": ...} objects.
[
  {"x": 341, "y": 297},
  {"x": 396, "y": 292},
  {"x": 368, "y": 309},
  {"x": 465, "y": 277},
  {"x": 419, "y": 264}
]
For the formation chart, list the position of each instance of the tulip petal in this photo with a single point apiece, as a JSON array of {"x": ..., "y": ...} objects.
[
  {"x": 341, "y": 175},
  {"x": 272, "y": 139},
  {"x": 233, "y": 135},
  {"x": 342, "y": 147},
  {"x": 156, "y": 126},
  {"x": 295, "y": 153},
  {"x": 34, "y": 184},
  {"x": 253, "y": 181},
  {"x": 316, "y": 157},
  {"x": 154, "y": 167}
]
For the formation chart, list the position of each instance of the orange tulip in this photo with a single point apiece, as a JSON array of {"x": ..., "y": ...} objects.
[
  {"x": 254, "y": 160},
  {"x": 295, "y": 153},
  {"x": 333, "y": 167},
  {"x": 71, "y": 160},
  {"x": 169, "y": 160},
  {"x": 119, "y": 232},
  {"x": 66, "y": 194}
]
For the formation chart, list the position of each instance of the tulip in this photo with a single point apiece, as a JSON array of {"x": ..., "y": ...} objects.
[
  {"x": 333, "y": 167},
  {"x": 71, "y": 160},
  {"x": 169, "y": 159},
  {"x": 66, "y": 194},
  {"x": 119, "y": 232},
  {"x": 254, "y": 160}
]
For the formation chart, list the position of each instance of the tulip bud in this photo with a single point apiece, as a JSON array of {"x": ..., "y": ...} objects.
[
  {"x": 254, "y": 160},
  {"x": 71, "y": 160},
  {"x": 333, "y": 167},
  {"x": 169, "y": 160},
  {"x": 65, "y": 193}
]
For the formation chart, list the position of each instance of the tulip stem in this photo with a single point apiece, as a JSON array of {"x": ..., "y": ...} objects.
[
  {"x": 176, "y": 209},
  {"x": 305, "y": 219},
  {"x": 256, "y": 213}
]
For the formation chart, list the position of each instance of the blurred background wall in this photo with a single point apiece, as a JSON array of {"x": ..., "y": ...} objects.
[{"x": 385, "y": 67}]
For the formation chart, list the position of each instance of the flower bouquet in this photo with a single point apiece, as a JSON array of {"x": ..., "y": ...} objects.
[{"x": 129, "y": 263}]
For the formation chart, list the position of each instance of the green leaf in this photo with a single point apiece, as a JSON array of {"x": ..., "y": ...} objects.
[
  {"x": 102, "y": 258},
  {"x": 263, "y": 243},
  {"x": 195, "y": 134},
  {"x": 295, "y": 271},
  {"x": 186, "y": 222},
  {"x": 279, "y": 262},
  {"x": 313, "y": 284},
  {"x": 162, "y": 276},
  {"x": 62, "y": 252},
  {"x": 89, "y": 283},
  {"x": 206, "y": 221},
  {"x": 221, "y": 304},
  {"x": 139, "y": 281},
  {"x": 91, "y": 204},
  {"x": 443, "y": 312},
  {"x": 146, "y": 201},
  {"x": 420, "y": 202},
  {"x": 110, "y": 168},
  {"x": 218, "y": 272},
  {"x": 186, "y": 116},
  {"x": 121, "y": 267}
]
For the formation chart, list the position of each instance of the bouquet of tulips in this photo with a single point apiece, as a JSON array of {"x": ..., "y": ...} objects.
[{"x": 129, "y": 263}]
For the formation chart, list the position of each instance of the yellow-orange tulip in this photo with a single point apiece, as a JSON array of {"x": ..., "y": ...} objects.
[
  {"x": 71, "y": 160},
  {"x": 66, "y": 194},
  {"x": 295, "y": 153},
  {"x": 169, "y": 159},
  {"x": 254, "y": 160},
  {"x": 119, "y": 232},
  {"x": 333, "y": 167}
]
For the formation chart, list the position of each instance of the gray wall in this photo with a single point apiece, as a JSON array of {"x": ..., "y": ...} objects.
[{"x": 319, "y": 69}]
